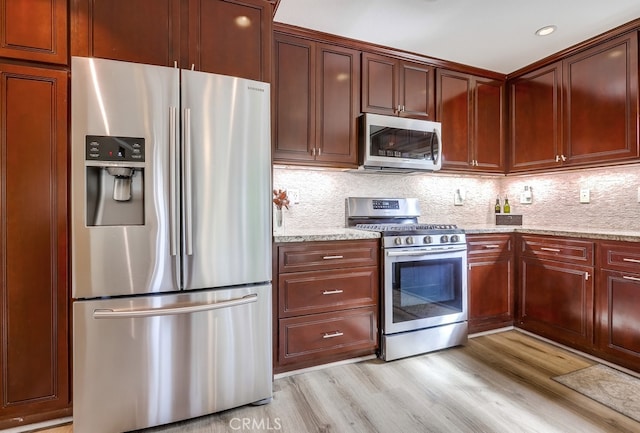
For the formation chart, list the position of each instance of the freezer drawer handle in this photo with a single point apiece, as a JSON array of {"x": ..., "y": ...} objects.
[
  {"x": 333, "y": 292},
  {"x": 152, "y": 312},
  {"x": 333, "y": 334}
]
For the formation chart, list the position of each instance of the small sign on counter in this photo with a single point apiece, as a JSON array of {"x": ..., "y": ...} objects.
[{"x": 508, "y": 220}]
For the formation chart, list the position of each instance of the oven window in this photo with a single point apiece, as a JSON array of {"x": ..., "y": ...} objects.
[{"x": 425, "y": 289}]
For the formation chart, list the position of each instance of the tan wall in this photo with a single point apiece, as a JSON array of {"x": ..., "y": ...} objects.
[{"x": 613, "y": 191}]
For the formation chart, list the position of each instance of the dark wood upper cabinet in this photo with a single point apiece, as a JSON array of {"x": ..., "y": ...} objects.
[
  {"x": 471, "y": 110},
  {"x": 578, "y": 111},
  {"x": 142, "y": 31},
  {"x": 34, "y": 294},
  {"x": 34, "y": 30},
  {"x": 397, "y": 87},
  {"x": 231, "y": 37},
  {"x": 601, "y": 102},
  {"x": 535, "y": 130},
  {"x": 316, "y": 89}
]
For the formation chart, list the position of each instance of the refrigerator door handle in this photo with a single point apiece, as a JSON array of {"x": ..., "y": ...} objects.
[
  {"x": 189, "y": 309},
  {"x": 173, "y": 177},
  {"x": 186, "y": 167}
]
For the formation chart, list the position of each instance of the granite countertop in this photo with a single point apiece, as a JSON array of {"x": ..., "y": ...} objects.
[
  {"x": 575, "y": 232},
  {"x": 338, "y": 233},
  {"x": 323, "y": 234}
]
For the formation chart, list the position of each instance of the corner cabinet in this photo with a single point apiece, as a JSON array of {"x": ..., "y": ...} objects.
[
  {"x": 34, "y": 30},
  {"x": 230, "y": 37},
  {"x": 34, "y": 294},
  {"x": 471, "y": 110},
  {"x": 397, "y": 87},
  {"x": 316, "y": 97},
  {"x": 556, "y": 289},
  {"x": 326, "y": 299},
  {"x": 490, "y": 281},
  {"x": 618, "y": 303},
  {"x": 579, "y": 111}
]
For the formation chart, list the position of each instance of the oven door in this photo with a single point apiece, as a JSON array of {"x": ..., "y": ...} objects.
[{"x": 424, "y": 287}]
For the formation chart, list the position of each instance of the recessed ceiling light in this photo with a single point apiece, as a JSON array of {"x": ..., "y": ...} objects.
[{"x": 546, "y": 30}]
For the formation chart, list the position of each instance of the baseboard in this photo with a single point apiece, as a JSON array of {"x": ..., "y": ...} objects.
[
  {"x": 323, "y": 366},
  {"x": 580, "y": 353},
  {"x": 39, "y": 425},
  {"x": 491, "y": 331}
]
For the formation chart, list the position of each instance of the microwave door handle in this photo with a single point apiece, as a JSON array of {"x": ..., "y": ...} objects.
[{"x": 421, "y": 252}]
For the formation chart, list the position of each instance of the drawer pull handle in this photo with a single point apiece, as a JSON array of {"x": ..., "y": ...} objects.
[
  {"x": 626, "y": 277},
  {"x": 553, "y": 250},
  {"x": 631, "y": 260},
  {"x": 492, "y": 246},
  {"x": 332, "y": 335},
  {"x": 332, "y": 257},
  {"x": 332, "y": 292}
]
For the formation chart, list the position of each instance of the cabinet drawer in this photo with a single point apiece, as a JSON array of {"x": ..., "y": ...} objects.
[
  {"x": 327, "y": 255},
  {"x": 563, "y": 250},
  {"x": 319, "y": 335},
  {"x": 623, "y": 256},
  {"x": 482, "y": 245},
  {"x": 320, "y": 291}
]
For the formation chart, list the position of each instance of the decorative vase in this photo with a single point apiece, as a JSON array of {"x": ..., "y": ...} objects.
[{"x": 278, "y": 221}]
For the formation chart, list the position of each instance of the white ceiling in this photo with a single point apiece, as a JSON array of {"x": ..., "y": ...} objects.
[{"x": 497, "y": 35}]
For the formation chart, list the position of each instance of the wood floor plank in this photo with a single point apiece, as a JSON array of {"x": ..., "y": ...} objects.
[{"x": 496, "y": 383}]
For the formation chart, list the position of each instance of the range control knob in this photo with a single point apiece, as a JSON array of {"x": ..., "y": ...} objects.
[
  {"x": 427, "y": 240},
  {"x": 444, "y": 239},
  {"x": 409, "y": 241},
  {"x": 397, "y": 241},
  {"x": 455, "y": 238}
]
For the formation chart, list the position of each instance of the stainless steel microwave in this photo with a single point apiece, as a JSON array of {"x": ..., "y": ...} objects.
[{"x": 399, "y": 143}]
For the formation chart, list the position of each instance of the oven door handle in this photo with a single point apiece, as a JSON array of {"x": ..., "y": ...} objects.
[{"x": 424, "y": 252}]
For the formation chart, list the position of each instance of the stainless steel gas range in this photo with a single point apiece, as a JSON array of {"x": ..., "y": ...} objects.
[{"x": 424, "y": 276}]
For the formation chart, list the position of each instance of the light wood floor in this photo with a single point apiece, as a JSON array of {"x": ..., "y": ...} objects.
[{"x": 497, "y": 383}]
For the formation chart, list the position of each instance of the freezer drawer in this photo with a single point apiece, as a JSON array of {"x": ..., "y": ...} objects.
[{"x": 146, "y": 361}]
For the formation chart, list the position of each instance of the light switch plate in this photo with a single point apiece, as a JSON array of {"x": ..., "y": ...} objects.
[{"x": 585, "y": 196}]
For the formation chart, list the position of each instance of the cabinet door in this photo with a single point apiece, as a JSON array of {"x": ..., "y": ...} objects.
[
  {"x": 338, "y": 104},
  {"x": 601, "y": 99},
  {"x": 142, "y": 31},
  {"x": 454, "y": 107},
  {"x": 34, "y": 30},
  {"x": 490, "y": 281},
  {"x": 231, "y": 37},
  {"x": 618, "y": 302},
  {"x": 488, "y": 125},
  {"x": 379, "y": 84},
  {"x": 556, "y": 301},
  {"x": 34, "y": 329},
  {"x": 294, "y": 99},
  {"x": 535, "y": 117},
  {"x": 417, "y": 87}
]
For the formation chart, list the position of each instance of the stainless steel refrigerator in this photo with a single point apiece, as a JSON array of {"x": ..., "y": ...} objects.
[{"x": 171, "y": 244}]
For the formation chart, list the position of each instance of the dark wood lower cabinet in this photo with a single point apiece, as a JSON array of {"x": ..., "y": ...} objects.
[
  {"x": 490, "y": 281},
  {"x": 34, "y": 296},
  {"x": 618, "y": 303},
  {"x": 326, "y": 302},
  {"x": 556, "y": 284}
]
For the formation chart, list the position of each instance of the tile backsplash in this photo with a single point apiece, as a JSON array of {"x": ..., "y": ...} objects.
[{"x": 613, "y": 196}]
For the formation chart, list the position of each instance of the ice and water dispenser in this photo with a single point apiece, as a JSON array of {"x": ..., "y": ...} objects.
[{"x": 114, "y": 180}]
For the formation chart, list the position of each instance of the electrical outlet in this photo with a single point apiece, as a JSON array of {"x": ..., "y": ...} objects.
[
  {"x": 585, "y": 196},
  {"x": 294, "y": 196},
  {"x": 458, "y": 197}
]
